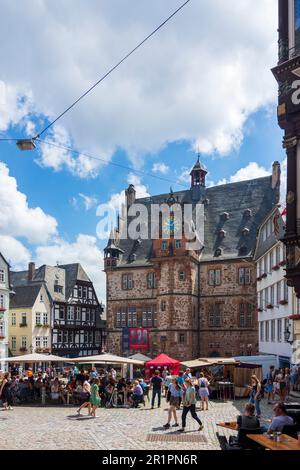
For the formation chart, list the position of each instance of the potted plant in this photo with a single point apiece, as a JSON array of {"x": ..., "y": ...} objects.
[
  {"x": 38, "y": 325},
  {"x": 283, "y": 262},
  {"x": 295, "y": 316},
  {"x": 283, "y": 302},
  {"x": 276, "y": 267},
  {"x": 260, "y": 309},
  {"x": 264, "y": 275},
  {"x": 2, "y": 337},
  {"x": 270, "y": 306},
  {"x": 23, "y": 349}
]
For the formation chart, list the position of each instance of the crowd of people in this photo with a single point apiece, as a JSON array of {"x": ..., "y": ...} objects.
[{"x": 101, "y": 388}]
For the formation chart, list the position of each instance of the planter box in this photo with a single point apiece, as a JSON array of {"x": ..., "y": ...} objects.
[
  {"x": 294, "y": 317},
  {"x": 260, "y": 310},
  {"x": 282, "y": 263},
  {"x": 283, "y": 302},
  {"x": 259, "y": 278},
  {"x": 264, "y": 275},
  {"x": 2, "y": 337},
  {"x": 270, "y": 306},
  {"x": 23, "y": 349},
  {"x": 276, "y": 268}
]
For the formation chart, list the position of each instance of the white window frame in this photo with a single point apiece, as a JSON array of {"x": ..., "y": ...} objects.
[
  {"x": 2, "y": 276},
  {"x": 13, "y": 342}
]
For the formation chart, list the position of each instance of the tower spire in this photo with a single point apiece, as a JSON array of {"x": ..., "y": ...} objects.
[{"x": 198, "y": 173}]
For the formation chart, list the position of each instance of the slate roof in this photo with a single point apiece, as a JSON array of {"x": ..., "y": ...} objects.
[
  {"x": 247, "y": 203},
  {"x": 25, "y": 296},
  {"x": 263, "y": 246},
  {"x": 66, "y": 276}
]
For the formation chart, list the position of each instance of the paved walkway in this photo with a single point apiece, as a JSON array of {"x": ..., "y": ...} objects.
[{"x": 124, "y": 429}]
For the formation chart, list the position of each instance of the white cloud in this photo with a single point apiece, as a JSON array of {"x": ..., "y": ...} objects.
[
  {"x": 15, "y": 104},
  {"x": 249, "y": 172},
  {"x": 15, "y": 252},
  {"x": 88, "y": 201},
  {"x": 198, "y": 79},
  {"x": 160, "y": 168},
  {"x": 84, "y": 251},
  {"x": 252, "y": 171},
  {"x": 17, "y": 218}
]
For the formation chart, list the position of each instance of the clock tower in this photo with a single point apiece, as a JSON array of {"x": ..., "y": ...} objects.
[{"x": 287, "y": 74}]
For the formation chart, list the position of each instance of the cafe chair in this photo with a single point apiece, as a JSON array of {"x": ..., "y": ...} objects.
[
  {"x": 242, "y": 442},
  {"x": 291, "y": 430}
]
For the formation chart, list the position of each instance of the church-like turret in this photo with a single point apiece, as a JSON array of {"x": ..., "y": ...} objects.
[{"x": 198, "y": 174}]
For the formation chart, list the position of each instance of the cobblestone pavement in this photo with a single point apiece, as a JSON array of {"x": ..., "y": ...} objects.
[{"x": 125, "y": 429}]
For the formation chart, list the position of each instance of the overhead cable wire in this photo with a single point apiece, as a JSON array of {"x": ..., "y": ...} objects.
[
  {"x": 113, "y": 68},
  {"x": 107, "y": 162}
]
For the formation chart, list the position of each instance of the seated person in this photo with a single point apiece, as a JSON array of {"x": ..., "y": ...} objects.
[
  {"x": 128, "y": 392},
  {"x": 77, "y": 391},
  {"x": 38, "y": 385},
  {"x": 138, "y": 394},
  {"x": 57, "y": 391},
  {"x": 280, "y": 419},
  {"x": 248, "y": 420},
  {"x": 121, "y": 386}
]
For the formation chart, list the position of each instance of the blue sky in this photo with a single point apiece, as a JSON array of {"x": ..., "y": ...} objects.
[{"x": 203, "y": 83}]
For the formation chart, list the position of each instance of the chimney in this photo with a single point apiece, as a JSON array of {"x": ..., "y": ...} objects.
[
  {"x": 31, "y": 270},
  {"x": 276, "y": 172},
  {"x": 130, "y": 195}
]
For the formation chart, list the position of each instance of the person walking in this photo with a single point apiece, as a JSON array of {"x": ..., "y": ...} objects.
[
  {"x": 288, "y": 381},
  {"x": 255, "y": 394},
  {"x": 95, "y": 398},
  {"x": 203, "y": 391},
  {"x": 173, "y": 396},
  {"x": 270, "y": 387},
  {"x": 282, "y": 384},
  {"x": 156, "y": 383},
  {"x": 187, "y": 374},
  {"x": 5, "y": 392},
  {"x": 189, "y": 404},
  {"x": 86, "y": 394}
]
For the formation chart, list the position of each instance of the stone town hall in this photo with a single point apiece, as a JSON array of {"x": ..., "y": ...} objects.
[{"x": 190, "y": 303}]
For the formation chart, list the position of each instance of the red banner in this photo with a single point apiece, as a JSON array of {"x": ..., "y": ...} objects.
[{"x": 139, "y": 339}]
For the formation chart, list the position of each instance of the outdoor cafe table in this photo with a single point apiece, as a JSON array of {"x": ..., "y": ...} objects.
[
  {"x": 231, "y": 425},
  {"x": 286, "y": 442}
]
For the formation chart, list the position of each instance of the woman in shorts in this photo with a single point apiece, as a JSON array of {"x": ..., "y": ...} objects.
[
  {"x": 173, "y": 397},
  {"x": 203, "y": 391}
]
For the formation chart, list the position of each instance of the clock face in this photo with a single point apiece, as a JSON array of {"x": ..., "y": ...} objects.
[{"x": 171, "y": 226}]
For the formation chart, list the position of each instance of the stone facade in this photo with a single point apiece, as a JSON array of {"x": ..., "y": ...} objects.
[
  {"x": 233, "y": 336},
  {"x": 200, "y": 301}
]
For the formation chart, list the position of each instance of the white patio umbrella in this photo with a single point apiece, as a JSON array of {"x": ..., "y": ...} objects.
[
  {"x": 106, "y": 359},
  {"x": 35, "y": 357}
]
